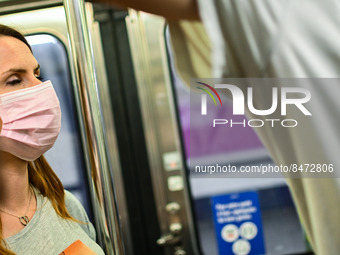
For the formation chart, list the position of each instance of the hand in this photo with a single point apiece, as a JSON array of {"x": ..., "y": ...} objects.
[{"x": 170, "y": 9}]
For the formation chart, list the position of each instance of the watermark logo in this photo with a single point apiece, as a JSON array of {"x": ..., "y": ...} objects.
[
  {"x": 204, "y": 97},
  {"x": 239, "y": 101},
  {"x": 277, "y": 101}
]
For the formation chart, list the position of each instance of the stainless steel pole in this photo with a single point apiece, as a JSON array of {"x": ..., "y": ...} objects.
[{"x": 99, "y": 174}]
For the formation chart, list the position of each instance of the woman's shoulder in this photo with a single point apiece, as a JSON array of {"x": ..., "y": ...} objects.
[
  {"x": 74, "y": 207},
  {"x": 77, "y": 211}
]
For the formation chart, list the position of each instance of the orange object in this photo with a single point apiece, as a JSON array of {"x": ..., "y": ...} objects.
[{"x": 78, "y": 248}]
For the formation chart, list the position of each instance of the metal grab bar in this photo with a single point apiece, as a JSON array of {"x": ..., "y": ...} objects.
[{"x": 99, "y": 174}]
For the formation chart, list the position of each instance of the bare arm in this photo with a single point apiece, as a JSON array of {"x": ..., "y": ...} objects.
[{"x": 170, "y": 9}]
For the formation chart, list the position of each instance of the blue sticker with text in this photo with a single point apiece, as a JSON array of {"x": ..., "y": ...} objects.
[{"x": 238, "y": 224}]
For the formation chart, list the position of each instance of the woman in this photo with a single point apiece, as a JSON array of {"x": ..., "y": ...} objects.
[{"x": 36, "y": 215}]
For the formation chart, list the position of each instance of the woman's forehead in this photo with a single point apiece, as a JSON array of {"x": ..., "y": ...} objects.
[
  {"x": 14, "y": 52},
  {"x": 11, "y": 45}
]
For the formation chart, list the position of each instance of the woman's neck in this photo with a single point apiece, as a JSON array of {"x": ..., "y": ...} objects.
[{"x": 14, "y": 183}]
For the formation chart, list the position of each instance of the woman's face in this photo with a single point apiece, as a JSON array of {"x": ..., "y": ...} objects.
[{"x": 18, "y": 67}]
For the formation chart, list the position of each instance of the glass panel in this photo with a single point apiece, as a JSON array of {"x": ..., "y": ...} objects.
[
  {"x": 66, "y": 157},
  {"x": 282, "y": 232}
]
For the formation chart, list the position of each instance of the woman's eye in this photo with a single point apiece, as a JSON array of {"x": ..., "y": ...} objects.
[{"x": 13, "y": 82}]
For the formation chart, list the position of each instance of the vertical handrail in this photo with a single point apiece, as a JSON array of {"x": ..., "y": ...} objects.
[{"x": 93, "y": 133}]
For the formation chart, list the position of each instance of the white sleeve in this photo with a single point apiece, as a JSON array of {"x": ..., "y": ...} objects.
[
  {"x": 242, "y": 31},
  {"x": 274, "y": 38}
]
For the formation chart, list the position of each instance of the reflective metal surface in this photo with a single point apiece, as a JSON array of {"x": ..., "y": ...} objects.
[
  {"x": 109, "y": 127},
  {"x": 101, "y": 178},
  {"x": 147, "y": 40}
]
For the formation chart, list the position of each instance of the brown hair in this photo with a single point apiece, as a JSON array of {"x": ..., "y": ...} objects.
[{"x": 40, "y": 174}]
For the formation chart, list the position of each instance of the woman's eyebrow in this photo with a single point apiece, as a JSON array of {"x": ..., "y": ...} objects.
[{"x": 20, "y": 70}]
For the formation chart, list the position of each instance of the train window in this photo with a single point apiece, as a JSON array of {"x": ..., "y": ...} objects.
[
  {"x": 66, "y": 157},
  {"x": 282, "y": 232}
]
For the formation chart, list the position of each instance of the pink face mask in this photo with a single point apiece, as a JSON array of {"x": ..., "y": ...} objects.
[{"x": 31, "y": 121}]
